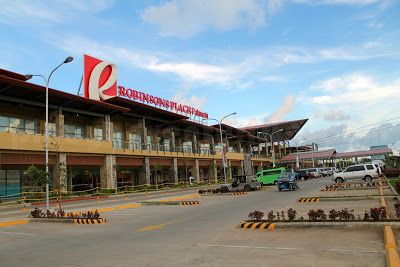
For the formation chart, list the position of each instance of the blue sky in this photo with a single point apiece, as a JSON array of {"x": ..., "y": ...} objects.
[{"x": 335, "y": 62}]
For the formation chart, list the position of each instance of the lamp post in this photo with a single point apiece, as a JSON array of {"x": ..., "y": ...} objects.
[
  {"x": 297, "y": 154},
  {"x": 222, "y": 143},
  {"x": 47, "y": 81},
  {"x": 272, "y": 144}
]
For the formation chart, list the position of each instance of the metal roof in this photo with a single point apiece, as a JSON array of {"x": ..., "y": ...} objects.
[
  {"x": 187, "y": 124},
  {"x": 17, "y": 87},
  {"x": 323, "y": 154},
  {"x": 332, "y": 154},
  {"x": 364, "y": 153},
  {"x": 290, "y": 129},
  {"x": 238, "y": 134}
]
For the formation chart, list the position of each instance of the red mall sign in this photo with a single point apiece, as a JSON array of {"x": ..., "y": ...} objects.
[{"x": 100, "y": 83}]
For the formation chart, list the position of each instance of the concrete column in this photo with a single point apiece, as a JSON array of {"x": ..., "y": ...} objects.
[
  {"x": 194, "y": 144},
  {"x": 241, "y": 170},
  {"x": 60, "y": 172},
  {"x": 175, "y": 170},
  {"x": 144, "y": 137},
  {"x": 173, "y": 145},
  {"x": 88, "y": 132},
  {"x": 215, "y": 170},
  {"x": 60, "y": 123},
  {"x": 196, "y": 170},
  {"x": 212, "y": 147},
  {"x": 108, "y": 128},
  {"x": 108, "y": 173},
  {"x": 147, "y": 169},
  {"x": 229, "y": 171}
]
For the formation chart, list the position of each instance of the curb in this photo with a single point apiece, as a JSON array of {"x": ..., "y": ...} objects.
[
  {"x": 189, "y": 203},
  {"x": 257, "y": 226},
  {"x": 67, "y": 220},
  {"x": 311, "y": 224},
  {"x": 264, "y": 189},
  {"x": 89, "y": 221},
  {"x": 315, "y": 199},
  {"x": 172, "y": 203},
  {"x": 392, "y": 256},
  {"x": 328, "y": 189},
  {"x": 239, "y": 193}
]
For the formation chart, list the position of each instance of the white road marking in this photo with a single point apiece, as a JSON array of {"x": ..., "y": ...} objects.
[
  {"x": 301, "y": 249},
  {"x": 13, "y": 233}
]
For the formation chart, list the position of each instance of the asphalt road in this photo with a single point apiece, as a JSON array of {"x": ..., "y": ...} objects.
[{"x": 203, "y": 235}]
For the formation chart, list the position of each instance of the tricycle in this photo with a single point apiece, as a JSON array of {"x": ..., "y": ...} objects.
[{"x": 288, "y": 181}]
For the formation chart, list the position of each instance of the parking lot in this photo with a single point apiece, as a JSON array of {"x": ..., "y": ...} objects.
[{"x": 203, "y": 235}]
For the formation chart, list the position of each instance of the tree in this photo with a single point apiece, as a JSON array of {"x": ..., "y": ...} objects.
[{"x": 36, "y": 177}]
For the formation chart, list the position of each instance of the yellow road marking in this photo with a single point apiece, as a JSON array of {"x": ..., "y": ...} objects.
[
  {"x": 159, "y": 226},
  {"x": 10, "y": 223}
]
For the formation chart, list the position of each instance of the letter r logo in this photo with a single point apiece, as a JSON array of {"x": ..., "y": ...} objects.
[{"x": 99, "y": 78}]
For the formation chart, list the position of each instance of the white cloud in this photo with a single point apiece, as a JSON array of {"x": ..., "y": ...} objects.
[
  {"x": 286, "y": 107},
  {"x": 56, "y": 11},
  {"x": 334, "y": 114},
  {"x": 234, "y": 73},
  {"x": 337, "y": 2},
  {"x": 192, "y": 101},
  {"x": 186, "y": 18},
  {"x": 345, "y": 137},
  {"x": 355, "y": 88},
  {"x": 375, "y": 25}
]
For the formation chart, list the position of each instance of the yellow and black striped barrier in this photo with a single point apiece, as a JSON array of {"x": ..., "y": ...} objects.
[
  {"x": 312, "y": 199},
  {"x": 329, "y": 189},
  {"x": 264, "y": 188},
  {"x": 257, "y": 225},
  {"x": 239, "y": 193},
  {"x": 189, "y": 203},
  {"x": 89, "y": 221}
]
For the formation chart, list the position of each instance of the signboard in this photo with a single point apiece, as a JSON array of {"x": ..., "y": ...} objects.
[{"x": 100, "y": 83}]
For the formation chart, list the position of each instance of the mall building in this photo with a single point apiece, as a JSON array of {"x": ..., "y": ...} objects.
[{"x": 121, "y": 142}]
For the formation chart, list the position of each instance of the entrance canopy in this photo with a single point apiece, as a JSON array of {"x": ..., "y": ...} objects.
[{"x": 290, "y": 129}]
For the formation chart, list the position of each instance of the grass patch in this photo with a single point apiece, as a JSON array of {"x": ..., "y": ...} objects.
[{"x": 393, "y": 181}]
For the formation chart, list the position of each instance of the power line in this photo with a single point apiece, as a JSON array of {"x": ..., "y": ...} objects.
[{"x": 346, "y": 133}]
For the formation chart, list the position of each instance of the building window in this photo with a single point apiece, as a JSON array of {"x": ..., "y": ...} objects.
[
  {"x": 166, "y": 144},
  {"x": 135, "y": 141},
  {"x": 73, "y": 131},
  {"x": 16, "y": 125},
  {"x": 149, "y": 143},
  {"x": 187, "y": 147},
  {"x": 204, "y": 148},
  {"x": 4, "y": 124},
  {"x": 52, "y": 128},
  {"x": 118, "y": 141},
  {"x": 98, "y": 134}
]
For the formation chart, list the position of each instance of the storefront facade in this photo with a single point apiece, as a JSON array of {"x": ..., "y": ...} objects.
[{"x": 111, "y": 143}]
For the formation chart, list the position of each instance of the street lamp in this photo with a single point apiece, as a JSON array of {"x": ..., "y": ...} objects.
[
  {"x": 297, "y": 154},
  {"x": 29, "y": 76},
  {"x": 222, "y": 143},
  {"x": 272, "y": 144}
]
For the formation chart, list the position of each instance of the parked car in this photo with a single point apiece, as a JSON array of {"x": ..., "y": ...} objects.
[
  {"x": 314, "y": 172},
  {"x": 366, "y": 172},
  {"x": 328, "y": 171},
  {"x": 303, "y": 174}
]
